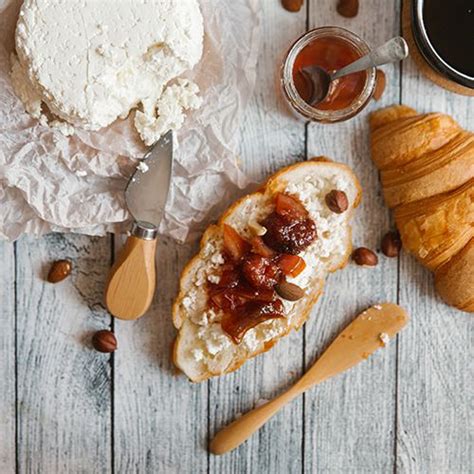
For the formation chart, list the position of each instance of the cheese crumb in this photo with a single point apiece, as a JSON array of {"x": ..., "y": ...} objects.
[
  {"x": 251, "y": 341},
  {"x": 217, "y": 259},
  {"x": 188, "y": 303},
  {"x": 65, "y": 128},
  {"x": 168, "y": 111},
  {"x": 214, "y": 279},
  {"x": 143, "y": 167},
  {"x": 217, "y": 341},
  {"x": 384, "y": 338},
  {"x": 197, "y": 354}
]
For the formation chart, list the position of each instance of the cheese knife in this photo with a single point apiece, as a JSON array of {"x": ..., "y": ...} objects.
[{"x": 132, "y": 279}]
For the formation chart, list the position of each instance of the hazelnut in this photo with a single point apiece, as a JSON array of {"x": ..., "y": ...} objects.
[
  {"x": 337, "y": 201},
  {"x": 104, "y": 341},
  {"x": 292, "y": 5},
  {"x": 289, "y": 291},
  {"x": 60, "y": 270},
  {"x": 391, "y": 244},
  {"x": 380, "y": 82},
  {"x": 348, "y": 8},
  {"x": 364, "y": 256}
]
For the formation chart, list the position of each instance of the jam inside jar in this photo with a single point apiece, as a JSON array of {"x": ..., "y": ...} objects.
[
  {"x": 330, "y": 53},
  {"x": 331, "y": 48}
]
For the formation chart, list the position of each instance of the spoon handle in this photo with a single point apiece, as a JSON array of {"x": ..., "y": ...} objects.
[{"x": 393, "y": 50}]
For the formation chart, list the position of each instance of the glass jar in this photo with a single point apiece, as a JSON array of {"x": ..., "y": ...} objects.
[{"x": 339, "y": 36}]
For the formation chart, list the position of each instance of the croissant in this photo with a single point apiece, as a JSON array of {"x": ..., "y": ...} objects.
[{"x": 426, "y": 164}]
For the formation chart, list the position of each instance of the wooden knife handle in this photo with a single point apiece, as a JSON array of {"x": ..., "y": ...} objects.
[{"x": 132, "y": 279}]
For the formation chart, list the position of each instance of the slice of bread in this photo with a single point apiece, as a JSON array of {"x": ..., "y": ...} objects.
[{"x": 202, "y": 349}]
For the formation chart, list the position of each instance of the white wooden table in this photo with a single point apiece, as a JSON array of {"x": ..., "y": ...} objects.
[{"x": 64, "y": 408}]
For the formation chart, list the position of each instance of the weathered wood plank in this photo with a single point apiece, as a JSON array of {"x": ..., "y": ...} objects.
[
  {"x": 350, "y": 421},
  {"x": 160, "y": 419},
  {"x": 270, "y": 138},
  {"x": 64, "y": 390},
  {"x": 435, "y": 370},
  {"x": 161, "y": 422},
  {"x": 7, "y": 358}
]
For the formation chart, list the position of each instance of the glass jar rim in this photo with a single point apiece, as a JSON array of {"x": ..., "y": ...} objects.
[{"x": 291, "y": 92}]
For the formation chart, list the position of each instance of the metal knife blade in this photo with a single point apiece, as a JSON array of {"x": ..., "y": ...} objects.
[{"x": 147, "y": 190}]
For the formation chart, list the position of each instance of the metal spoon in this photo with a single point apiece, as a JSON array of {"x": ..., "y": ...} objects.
[{"x": 320, "y": 80}]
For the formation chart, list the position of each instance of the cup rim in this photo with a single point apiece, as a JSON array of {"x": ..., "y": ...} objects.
[{"x": 430, "y": 53}]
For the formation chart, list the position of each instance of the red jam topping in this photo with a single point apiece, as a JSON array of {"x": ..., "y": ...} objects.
[
  {"x": 245, "y": 292},
  {"x": 330, "y": 53}
]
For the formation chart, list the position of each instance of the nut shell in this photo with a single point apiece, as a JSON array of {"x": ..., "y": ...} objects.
[
  {"x": 365, "y": 257},
  {"x": 289, "y": 291},
  {"x": 104, "y": 341},
  {"x": 380, "y": 83},
  {"x": 348, "y": 8},
  {"x": 391, "y": 244},
  {"x": 59, "y": 271},
  {"x": 292, "y": 5},
  {"x": 337, "y": 201}
]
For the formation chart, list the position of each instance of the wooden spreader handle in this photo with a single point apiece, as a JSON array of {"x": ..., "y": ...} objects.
[
  {"x": 132, "y": 280},
  {"x": 242, "y": 428},
  {"x": 369, "y": 331}
]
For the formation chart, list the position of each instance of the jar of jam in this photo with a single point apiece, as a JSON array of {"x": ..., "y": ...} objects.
[{"x": 330, "y": 48}]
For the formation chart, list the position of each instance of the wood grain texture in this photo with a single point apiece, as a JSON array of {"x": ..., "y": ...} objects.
[
  {"x": 270, "y": 138},
  {"x": 7, "y": 359},
  {"x": 350, "y": 421},
  {"x": 64, "y": 390},
  {"x": 435, "y": 364},
  {"x": 406, "y": 409},
  {"x": 160, "y": 419}
]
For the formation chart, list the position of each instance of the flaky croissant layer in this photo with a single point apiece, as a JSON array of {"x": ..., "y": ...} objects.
[{"x": 426, "y": 163}]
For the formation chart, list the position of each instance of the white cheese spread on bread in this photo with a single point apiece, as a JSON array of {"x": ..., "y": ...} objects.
[
  {"x": 91, "y": 62},
  {"x": 329, "y": 244}
]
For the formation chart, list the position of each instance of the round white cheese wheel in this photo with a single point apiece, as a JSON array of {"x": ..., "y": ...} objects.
[{"x": 92, "y": 61}]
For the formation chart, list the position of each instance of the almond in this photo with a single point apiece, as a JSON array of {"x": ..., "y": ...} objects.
[
  {"x": 380, "y": 82},
  {"x": 391, "y": 244},
  {"x": 257, "y": 228},
  {"x": 60, "y": 270},
  {"x": 289, "y": 291},
  {"x": 292, "y": 5},
  {"x": 337, "y": 201},
  {"x": 348, "y": 8},
  {"x": 364, "y": 256}
]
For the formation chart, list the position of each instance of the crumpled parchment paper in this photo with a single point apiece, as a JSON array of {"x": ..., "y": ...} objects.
[{"x": 49, "y": 182}]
